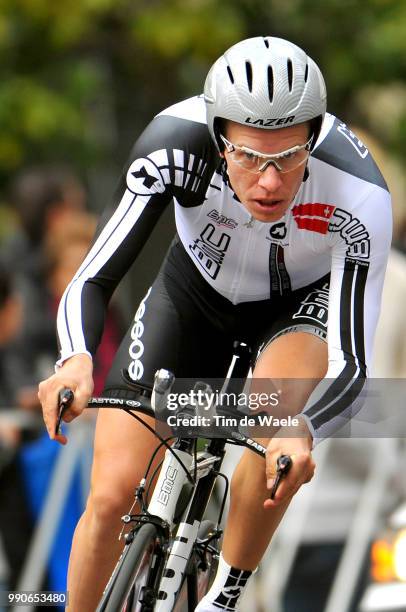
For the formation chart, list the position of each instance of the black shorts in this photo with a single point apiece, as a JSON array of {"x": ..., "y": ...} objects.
[{"x": 185, "y": 326}]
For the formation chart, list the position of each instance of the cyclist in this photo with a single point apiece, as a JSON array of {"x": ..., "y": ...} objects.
[{"x": 283, "y": 230}]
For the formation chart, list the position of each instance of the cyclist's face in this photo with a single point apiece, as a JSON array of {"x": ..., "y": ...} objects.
[{"x": 266, "y": 195}]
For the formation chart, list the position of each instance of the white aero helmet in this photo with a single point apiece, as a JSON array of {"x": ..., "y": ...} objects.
[{"x": 266, "y": 82}]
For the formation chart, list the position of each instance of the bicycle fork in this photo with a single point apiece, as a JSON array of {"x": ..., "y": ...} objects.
[{"x": 163, "y": 504}]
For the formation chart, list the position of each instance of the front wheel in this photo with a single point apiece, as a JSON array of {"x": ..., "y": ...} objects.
[{"x": 132, "y": 587}]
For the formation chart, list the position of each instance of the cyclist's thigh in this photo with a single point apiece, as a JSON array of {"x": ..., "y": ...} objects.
[
  {"x": 295, "y": 345},
  {"x": 295, "y": 354}
]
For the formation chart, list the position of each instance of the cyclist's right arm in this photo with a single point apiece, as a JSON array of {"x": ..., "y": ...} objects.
[{"x": 146, "y": 188}]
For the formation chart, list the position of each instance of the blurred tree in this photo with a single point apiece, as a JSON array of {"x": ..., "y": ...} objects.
[{"x": 81, "y": 79}]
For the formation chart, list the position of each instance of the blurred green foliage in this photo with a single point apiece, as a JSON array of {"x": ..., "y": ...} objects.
[{"x": 81, "y": 78}]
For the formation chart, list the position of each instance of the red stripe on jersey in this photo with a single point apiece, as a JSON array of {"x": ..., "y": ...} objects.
[{"x": 313, "y": 209}]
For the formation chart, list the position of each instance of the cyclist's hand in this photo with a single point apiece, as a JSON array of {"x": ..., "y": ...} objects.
[
  {"x": 303, "y": 466},
  {"x": 75, "y": 374}
]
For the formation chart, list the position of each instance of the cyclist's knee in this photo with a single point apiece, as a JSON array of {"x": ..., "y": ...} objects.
[
  {"x": 108, "y": 502},
  {"x": 238, "y": 481}
]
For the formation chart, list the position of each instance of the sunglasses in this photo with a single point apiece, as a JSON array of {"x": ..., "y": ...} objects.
[{"x": 256, "y": 162}]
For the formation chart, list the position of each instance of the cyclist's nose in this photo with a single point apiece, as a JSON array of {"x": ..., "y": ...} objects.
[{"x": 270, "y": 179}]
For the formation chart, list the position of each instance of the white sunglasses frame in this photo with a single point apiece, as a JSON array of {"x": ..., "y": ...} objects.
[{"x": 269, "y": 159}]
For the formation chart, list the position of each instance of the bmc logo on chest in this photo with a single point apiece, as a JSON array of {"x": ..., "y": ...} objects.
[{"x": 209, "y": 250}]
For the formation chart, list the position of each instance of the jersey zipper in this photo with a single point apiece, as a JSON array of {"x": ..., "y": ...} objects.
[{"x": 240, "y": 271}]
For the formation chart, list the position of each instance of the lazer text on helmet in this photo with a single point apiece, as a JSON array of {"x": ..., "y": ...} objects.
[{"x": 269, "y": 122}]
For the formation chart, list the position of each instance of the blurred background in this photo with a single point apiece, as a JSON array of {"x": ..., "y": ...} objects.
[{"x": 80, "y": 80}]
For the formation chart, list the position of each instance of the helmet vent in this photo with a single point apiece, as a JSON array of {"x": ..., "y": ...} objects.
[
  {"x": 248, "y": 69},
  {"x": 270, "y": 83},
  {"x": 266, "y": 42},
  {"x": 306, "y": 74},
  {"x": 230, "y": 74},
  {"x": 290, "y": 74}
]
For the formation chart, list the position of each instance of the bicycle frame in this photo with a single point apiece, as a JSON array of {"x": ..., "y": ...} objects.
[
  {"x": 177, "y": 469},
  {"x": 163, "y": 504}
]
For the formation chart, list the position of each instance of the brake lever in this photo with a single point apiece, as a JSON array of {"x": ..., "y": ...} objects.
[
  {"x": 283, "y": 463},
  {"x": 65, "y": 399}
]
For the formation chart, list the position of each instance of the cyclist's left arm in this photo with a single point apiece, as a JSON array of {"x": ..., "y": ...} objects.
[{"x": 359, "y": 258}]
